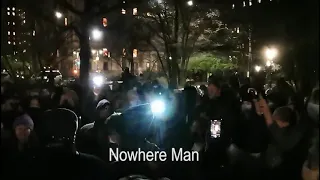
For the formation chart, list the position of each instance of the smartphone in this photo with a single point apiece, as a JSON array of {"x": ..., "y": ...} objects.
[{"x": 215, "y": 128}]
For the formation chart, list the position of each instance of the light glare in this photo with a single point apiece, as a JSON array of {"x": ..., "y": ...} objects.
[
  {"x": 58, "y": 14},
  {"x": 96, "y": 34},
  {"x": 98, "y": 80},
  {"x": 190, "y": 3},
  {"x": 257, "y": 68},
  {"x": 157, "y": 107}
]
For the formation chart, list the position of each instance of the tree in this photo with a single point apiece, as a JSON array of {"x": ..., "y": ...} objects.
[
  {"x": 178, "y": 29},
  {"x": 209, "y": 62},
  {"x": 84, "y": 15}
]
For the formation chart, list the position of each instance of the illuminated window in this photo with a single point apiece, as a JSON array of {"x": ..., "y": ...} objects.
[
  {"x": 8, "y": 23},
  {"x": 13, "y": 14},
  {"x": 66, "y": 21},
  {"x": 13, "y": 9},
  {"x": 250, "y": 2},
  {"x": 33, "y": 33},
  {"x": 8, "y": 9},
  {"x": 9, "y": 33},
  {"x": 13, "y": 23},
  {"x": 104, "y": 22},
  {"x": 123, "y": 11},
  {"x": 135, "y": 53},
  {"x": 24, "y": 21},
  {"x": 24, "y": 50},
  {"x": 238, "y": 30},
  {"x": 8, "y": 13},
  {"x": 14, "y": 33},
  {"x": 14, "y": 43},
  {"x": 9, "y": 42},
  {"x": 233, "y": 6},
  {"x": 244, "y": 4},
  {"x": 135, "y": 11},
  {"x": 124, "y": 2},
  {"x": 259, "y": 1}
]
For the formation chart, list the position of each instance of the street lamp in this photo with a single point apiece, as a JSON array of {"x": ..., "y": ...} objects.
[
  {"x": 58, "y": 14},
  {"x": 190, "y": 3},
  {"x": 96, "y": 34},
  {"x": 257, "y": 68},
  {"x": 271, "y": 53}
]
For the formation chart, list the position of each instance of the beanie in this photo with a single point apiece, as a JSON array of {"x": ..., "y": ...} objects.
[{"x": 25, "y": 120}]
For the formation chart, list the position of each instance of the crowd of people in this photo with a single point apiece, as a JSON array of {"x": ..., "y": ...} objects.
[{"x": 68, "y": 132}]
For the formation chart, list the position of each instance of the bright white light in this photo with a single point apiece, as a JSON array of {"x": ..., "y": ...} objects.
[
  {"x": 58, "y": 14},
  {"x": 170, "y": 57},
  {"x": 271, "y": 53},
  {"x": 257, "y": 68},
  {"x": 157, "y": 107},
  {"x": 96, "y": 34},
  {"x": 268, "y": 63},
  {"x": 190, "y": 3},
  {"x": 98, "y": 80}
]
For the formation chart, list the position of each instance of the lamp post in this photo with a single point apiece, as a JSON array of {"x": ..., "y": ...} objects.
[{"x": 270, "y": 54}]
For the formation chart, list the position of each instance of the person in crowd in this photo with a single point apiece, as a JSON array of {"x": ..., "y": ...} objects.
[
  {"x": 34, "y": 110},
  {"x": 250, "y": 142},
  {"x": 310, "y": 169},
  {"x": 59, "y": 156},
  {"x": 89, "y": 136},
  {"x": 19, "y": 150},
  {"x": 133, "y": 98},
  {"x": 224, "y": 107},
  {"x": 289, "y": 141}
]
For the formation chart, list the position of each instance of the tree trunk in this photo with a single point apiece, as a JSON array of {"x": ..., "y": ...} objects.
[{"x": 85, "y": 55}]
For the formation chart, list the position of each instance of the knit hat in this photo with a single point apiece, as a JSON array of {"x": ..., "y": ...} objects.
[{"x": 25, "y": 120}]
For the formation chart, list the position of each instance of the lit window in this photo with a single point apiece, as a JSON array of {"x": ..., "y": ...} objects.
[
  {"x": 244, "y": 4},
  {"x": 8, "y": 13},
  {"x": 33, "y": 33},
  {"x": 135, "y": 53},
  {"x": 9, "y": 42},
  {"x": 250, "y": 2},
  {"x": 66, "y": 21},
  {"x": 9, "y": 33},
  {"x": 19, "y": 42},
  {"x": 233, "y": 6},
  {"x": 24, "y": 21},
  {"x": 13, "y": 14},
  {"x": 259, "y": 1},
  {"x": 13, "y": 23},
  {"x": 104, "y": 22},
  {"x": 123, "y": 11},
  {"x": 24, "y": 50},
  {"x": 135, "y": 11},
  {"x": 238, "y": 30},
  {"x": 14, "y": 43},
  {"x": 8, "y": 9},
  {"x": 14, "y": 33},
  {"x": 8, "y": 23},
  {"x": 124, "y": 2},
  {"x": 13, "y": 9}
]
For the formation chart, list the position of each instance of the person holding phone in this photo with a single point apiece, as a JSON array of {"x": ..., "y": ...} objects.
[{"x": 289, "y": 141}]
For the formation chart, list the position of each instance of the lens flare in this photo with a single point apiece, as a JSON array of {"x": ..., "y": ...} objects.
[
  {"x": 157, "y": 107},
  {"x": 98, "y": 80}
]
